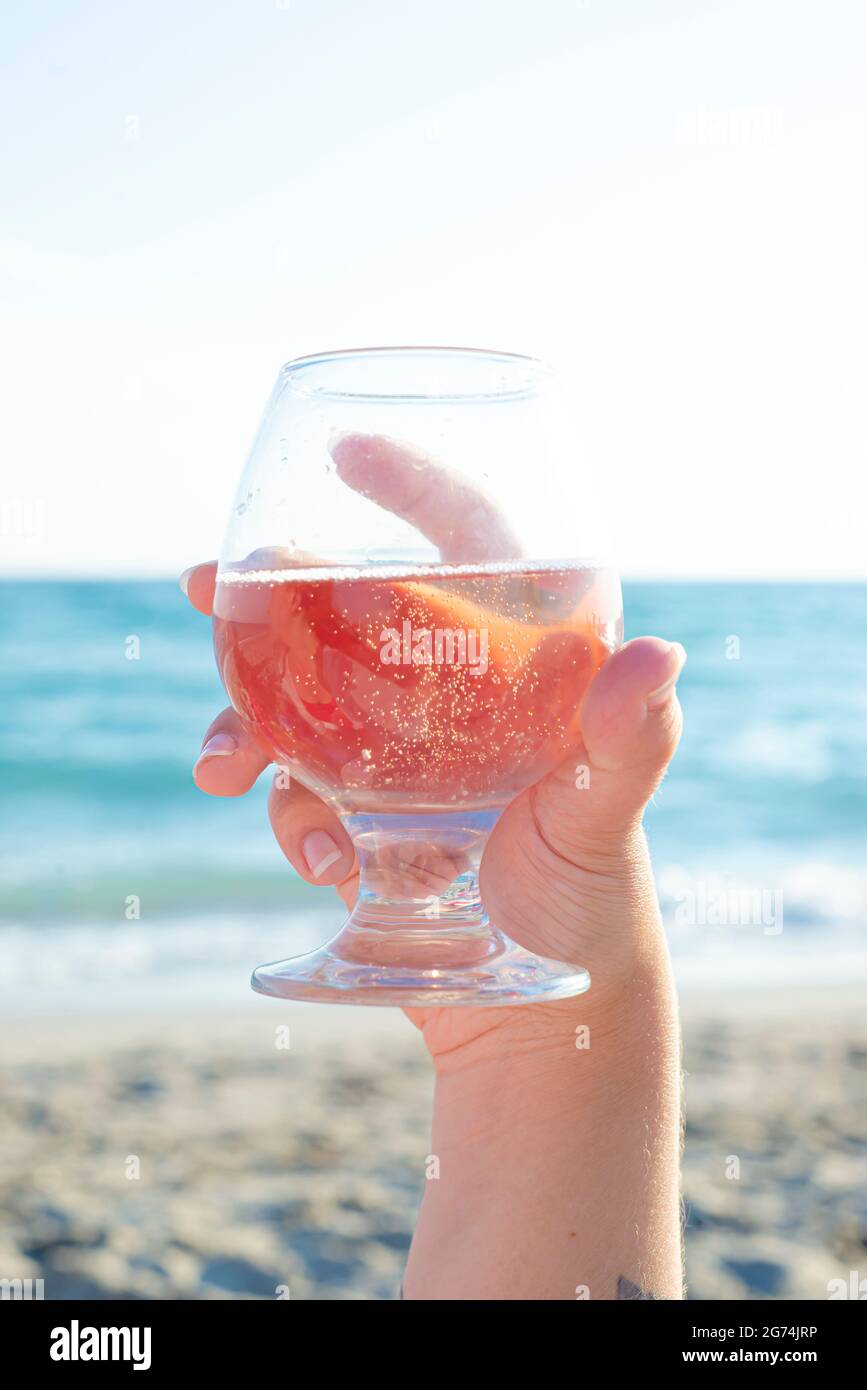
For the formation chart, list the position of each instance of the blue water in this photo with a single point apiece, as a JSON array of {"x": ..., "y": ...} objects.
[{"x": 768, "y": 792}]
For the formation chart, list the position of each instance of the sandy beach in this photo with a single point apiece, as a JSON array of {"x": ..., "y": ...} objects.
[{"x": 153, "y": 1156}]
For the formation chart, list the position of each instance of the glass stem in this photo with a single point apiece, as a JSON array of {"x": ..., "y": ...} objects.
[{"x": 418, "y": 899}]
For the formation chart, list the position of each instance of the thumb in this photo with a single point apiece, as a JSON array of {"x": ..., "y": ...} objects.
[{"x": 630, "y": 727}]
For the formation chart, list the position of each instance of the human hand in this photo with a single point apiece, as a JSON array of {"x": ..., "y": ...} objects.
[{"x": 566, "y": 872}]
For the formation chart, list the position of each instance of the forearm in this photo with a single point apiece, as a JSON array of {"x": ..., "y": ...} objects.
[{"x": 558, "y": 1164}]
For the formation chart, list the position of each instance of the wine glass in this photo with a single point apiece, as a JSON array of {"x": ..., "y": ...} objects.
[{"x": 402, "y": 621}]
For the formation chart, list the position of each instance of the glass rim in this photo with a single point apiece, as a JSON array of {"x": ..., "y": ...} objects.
[
  {"x": 239, "y": 572},
  {"x": 522, "y": 375}
]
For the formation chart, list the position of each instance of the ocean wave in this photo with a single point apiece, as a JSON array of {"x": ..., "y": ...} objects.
[
  {"x": 722, "y": 930},
  {"x": 804, "y": 897},
  {"x": 76, "y": 965},
  {"x": 760, "y": 823}
]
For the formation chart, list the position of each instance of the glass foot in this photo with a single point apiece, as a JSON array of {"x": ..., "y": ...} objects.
[
  {"x": 510, "y": 975},
  {"x": 418, "y": 934}
]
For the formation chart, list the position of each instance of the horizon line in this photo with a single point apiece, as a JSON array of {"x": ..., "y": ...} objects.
[{"x": 629, "y": 576}]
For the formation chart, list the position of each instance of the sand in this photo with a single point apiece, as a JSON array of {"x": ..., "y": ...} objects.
[
  {"x": 778, "y": 1081},
  {"x": 157, "y": 1156}
]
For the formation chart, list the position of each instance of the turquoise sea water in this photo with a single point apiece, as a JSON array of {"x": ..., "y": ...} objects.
[{"x": 767, "y": 798}]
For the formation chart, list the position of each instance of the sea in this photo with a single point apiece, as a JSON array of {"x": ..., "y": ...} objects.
[{"x": 123, "y": 886}]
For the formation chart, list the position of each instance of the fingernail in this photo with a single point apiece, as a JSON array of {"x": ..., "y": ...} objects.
[
  {"x": 218, "y": 746},
  {"x": 360, "y": 444},
  {"x": 320, "y": 852},
  {"x": 336, "y": 440},
  {"x": 657, "y": 698},
  {"x": 184, "y": 581}
]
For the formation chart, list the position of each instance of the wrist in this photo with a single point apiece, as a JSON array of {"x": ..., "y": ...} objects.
[
  {"x": 554, "y": 1120},
  {"x": 515, "y": 1046}
]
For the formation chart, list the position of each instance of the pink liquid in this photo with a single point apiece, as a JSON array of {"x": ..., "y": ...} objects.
[{"x": 404, "y": 692}]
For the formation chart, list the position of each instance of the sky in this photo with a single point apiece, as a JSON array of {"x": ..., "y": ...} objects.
[{"x": 664, "y": 199}]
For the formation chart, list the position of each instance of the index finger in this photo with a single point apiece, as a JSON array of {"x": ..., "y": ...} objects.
[
  {"x": 442, "y": 504},
  {"x": 462, "y": 522},
  {"x": 198, "y": 584}
]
